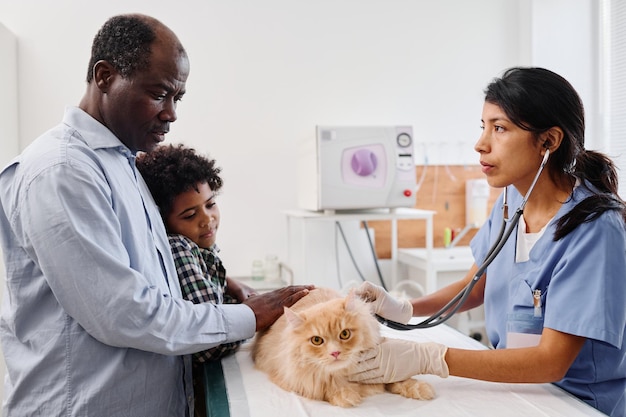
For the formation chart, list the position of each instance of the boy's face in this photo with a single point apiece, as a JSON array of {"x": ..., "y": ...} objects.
[{"x": 195, "y": 214}]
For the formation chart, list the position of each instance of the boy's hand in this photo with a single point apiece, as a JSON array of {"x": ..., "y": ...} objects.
[{"x": 238, "y": 290}]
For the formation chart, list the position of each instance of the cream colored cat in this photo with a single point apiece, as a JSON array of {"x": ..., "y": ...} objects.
[{"x": 310, "y": 349}]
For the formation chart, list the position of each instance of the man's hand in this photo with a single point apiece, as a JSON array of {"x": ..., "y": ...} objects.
[
  {"x": 269, "y": 306},
  {"x": 396, "y": 360},
  {"x": 384, "y": 304}
]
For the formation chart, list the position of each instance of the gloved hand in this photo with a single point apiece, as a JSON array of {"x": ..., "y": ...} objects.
[
  {"x": 396, "y": 360},
  {"x": 384, "y": 304}
]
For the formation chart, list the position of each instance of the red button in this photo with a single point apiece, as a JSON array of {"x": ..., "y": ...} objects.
[{"x": 407, "y": 193}]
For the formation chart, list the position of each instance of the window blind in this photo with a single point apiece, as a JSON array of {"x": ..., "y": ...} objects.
[{"x": 614, "y": 23}]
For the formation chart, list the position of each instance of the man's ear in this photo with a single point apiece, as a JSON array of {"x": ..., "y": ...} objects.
[{"x": 103, "y": 74}]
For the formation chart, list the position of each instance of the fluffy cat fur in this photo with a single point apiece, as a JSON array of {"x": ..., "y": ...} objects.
[{"x": 310, "y": 349}]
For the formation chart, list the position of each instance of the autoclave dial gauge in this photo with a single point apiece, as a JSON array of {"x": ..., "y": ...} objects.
[{"x": 404, "y": 140}]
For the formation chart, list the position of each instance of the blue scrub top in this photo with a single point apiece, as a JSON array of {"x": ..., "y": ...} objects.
[{"x": 582, "y": 278}]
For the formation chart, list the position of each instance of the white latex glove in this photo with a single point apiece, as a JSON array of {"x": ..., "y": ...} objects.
[
  {"x": 396, "y": 360},
  {"x": 384, "y": 304}
]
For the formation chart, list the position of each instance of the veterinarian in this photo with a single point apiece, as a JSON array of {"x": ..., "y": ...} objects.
[
  {"x": 93, "y": 322},
  {"x": 554, "y": 295}
]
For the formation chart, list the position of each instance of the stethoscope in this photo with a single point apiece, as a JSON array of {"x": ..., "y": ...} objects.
[{"x": 453, "y": 306}]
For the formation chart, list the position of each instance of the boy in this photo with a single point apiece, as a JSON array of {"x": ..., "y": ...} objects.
[{"x": 184, "y": 186}]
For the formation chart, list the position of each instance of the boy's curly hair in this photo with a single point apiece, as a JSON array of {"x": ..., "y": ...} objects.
[{"x": 170, "y": 170}]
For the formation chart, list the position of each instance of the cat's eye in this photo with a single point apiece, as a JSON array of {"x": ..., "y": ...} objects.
[
  {"x": 316, "y": 340},
  {"x": 345, "y": 334}
]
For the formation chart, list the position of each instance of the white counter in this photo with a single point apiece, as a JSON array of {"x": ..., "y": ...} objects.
[{"x": 433, "y": 262}]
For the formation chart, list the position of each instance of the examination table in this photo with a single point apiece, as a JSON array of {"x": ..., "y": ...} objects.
[{"x": 236, "y": 388}]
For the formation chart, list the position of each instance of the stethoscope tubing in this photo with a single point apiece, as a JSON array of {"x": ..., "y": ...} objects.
[{"x": 453, "y": 306}]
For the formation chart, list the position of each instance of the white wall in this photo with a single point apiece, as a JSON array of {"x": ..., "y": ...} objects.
[
  {"x": 568, "y": 43},
  {"x": 8, "y": 127},
  {"x": 263, "y": 74},
  {"x": 9, "y": 146}
]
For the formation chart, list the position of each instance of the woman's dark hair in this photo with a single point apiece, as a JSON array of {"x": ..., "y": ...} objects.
[
  {"x": 124, "y": 41},
  {"x": 536, "y": 99},
  {"x": 170, "y": 170}
]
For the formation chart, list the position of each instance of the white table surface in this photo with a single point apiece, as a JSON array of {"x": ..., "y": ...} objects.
[{"x": 251, "y": 394}]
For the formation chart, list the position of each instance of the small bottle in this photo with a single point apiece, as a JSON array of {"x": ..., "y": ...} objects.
[
  {"x": 272, "y": 269},
  {"x": 258, "y": 270}
]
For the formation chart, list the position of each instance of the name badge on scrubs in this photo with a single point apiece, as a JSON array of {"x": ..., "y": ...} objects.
[{"x": 523, "y": 330}]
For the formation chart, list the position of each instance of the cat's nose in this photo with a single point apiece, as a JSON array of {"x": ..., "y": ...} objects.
[{"x": 335, "y": 354}]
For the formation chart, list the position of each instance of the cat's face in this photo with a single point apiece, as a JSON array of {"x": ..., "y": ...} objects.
[{"x": 331, "y": 335}]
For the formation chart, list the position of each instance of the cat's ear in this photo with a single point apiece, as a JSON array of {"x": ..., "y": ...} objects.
[
  {"x": 293, "y": 319},
  {"x": 353, "y": 301}
]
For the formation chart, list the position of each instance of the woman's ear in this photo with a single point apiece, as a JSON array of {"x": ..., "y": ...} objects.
[{"x": 552, "y": 138}]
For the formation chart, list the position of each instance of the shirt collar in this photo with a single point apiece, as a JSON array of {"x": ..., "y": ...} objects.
[
  {"x": 92, "y": 132},
  {"x": 213, "y": 249}
]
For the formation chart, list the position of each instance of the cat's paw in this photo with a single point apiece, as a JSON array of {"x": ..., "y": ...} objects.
[
  {"x": 345, "y": 398},
  {"x": 412, "y": 388}
]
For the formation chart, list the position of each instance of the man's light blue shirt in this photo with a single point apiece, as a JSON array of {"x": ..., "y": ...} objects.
[{"x": 93, "y": 322}]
